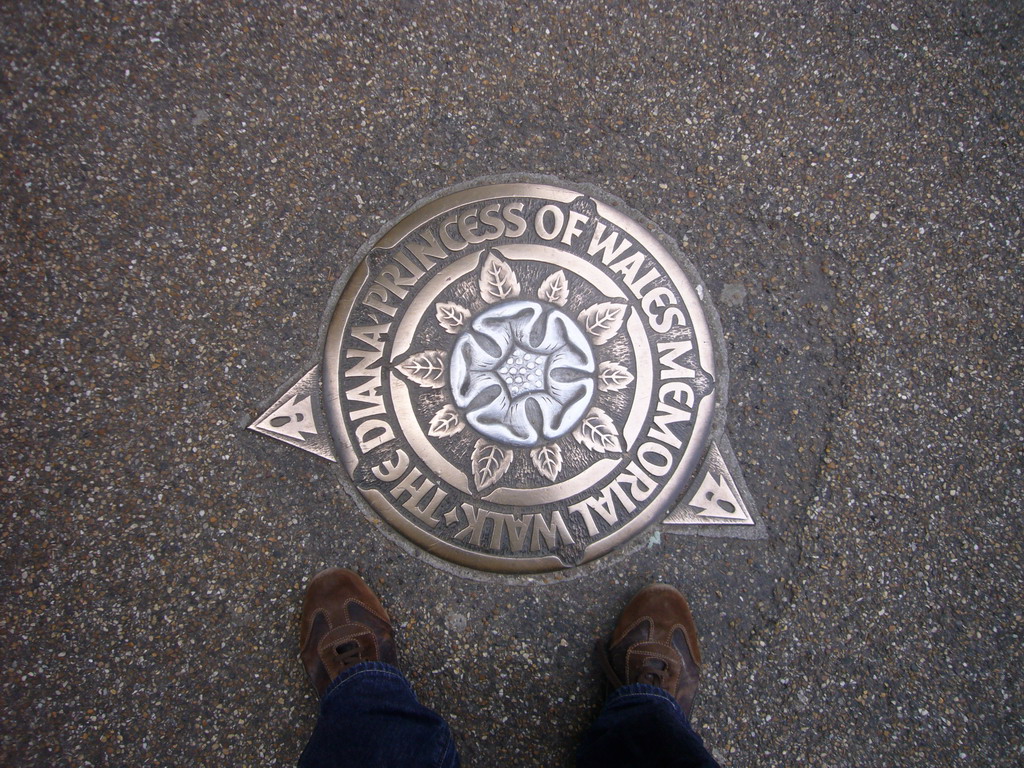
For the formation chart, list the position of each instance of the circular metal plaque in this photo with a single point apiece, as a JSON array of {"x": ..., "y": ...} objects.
[{"x": 519, "y": 377}]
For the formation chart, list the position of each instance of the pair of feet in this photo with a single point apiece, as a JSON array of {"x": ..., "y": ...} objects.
[{"x": 654, "y": 642}]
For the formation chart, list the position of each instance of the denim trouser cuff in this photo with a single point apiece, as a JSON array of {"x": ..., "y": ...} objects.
[
  {"x": 369, "y": 715},
  {"x": 642, "y": 725},
  {"x": 363, "y": 668}
]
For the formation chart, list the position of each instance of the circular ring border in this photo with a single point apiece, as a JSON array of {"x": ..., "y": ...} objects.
[{"x": 708, "y": 421}]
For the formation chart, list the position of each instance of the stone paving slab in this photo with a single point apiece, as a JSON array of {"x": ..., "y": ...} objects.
[{"x": 184, "y": 182}]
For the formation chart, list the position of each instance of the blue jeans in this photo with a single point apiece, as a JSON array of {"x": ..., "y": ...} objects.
[{"x": 370, "y": 718}]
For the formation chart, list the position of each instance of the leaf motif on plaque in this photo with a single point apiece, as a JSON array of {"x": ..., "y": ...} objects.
[
  {"x": 446, "y": 422},
  {"x": 548, "y": 460},
  {"x": 598, "y": 432},
  {"x": 497, "y": 281},
  {"x": 612, "y": 377},
  {"x": 424, "y": 368},
  {"x": 602, "y": 321},
  {"x": 451, "y": 316},
  {"x": 555, "y": 289},
  {"x": 490, "y": 462}
]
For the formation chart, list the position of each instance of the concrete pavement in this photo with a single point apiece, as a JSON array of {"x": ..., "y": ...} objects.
[{"x": 184, "y": 182}]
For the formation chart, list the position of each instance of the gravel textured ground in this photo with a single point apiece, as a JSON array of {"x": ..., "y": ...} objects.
[{"x": 183, "y": 182}]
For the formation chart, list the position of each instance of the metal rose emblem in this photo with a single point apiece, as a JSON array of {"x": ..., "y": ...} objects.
[{"x": 522, "y": 373}]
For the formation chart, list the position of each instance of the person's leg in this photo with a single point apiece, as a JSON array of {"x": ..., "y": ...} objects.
[
  {"x": 369, "y": 715},
  {"x": 653, "y": 662}
]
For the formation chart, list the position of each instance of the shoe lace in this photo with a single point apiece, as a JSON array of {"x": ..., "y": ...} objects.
[
  {"x": 348, "y": 654},
  {"x": 654, "y": 672}
]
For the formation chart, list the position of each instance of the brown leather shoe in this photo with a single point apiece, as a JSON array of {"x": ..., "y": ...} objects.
[
  {"x": 655, "y": 642},
  {"x": 342, "y": 624}
]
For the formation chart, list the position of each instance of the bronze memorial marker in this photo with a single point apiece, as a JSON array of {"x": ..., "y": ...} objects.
[{"x": 519, "y": 376}]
